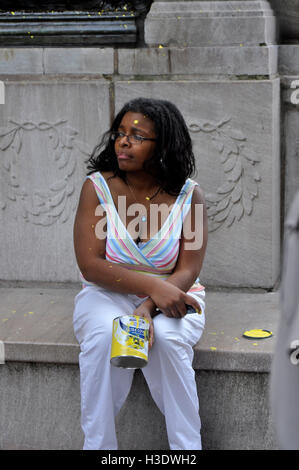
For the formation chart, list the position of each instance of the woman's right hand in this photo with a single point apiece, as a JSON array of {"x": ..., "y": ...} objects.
[{"x": 171, "y": 300}]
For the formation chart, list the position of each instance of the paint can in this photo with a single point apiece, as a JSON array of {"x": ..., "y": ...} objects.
[{"x": 130, "y": 337}]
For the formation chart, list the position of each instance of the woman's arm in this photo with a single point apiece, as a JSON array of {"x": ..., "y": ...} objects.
[
  {"x": 193, "y": 243},
  {"x": 192, "y": 248}
]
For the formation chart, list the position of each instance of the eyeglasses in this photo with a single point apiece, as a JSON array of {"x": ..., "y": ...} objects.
[{"x": 133, "y": 139}]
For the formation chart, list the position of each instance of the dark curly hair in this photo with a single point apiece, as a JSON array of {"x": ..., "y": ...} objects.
[{"x": 173, "y": 160}]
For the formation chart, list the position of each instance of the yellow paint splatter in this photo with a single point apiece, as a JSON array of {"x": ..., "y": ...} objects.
[
  {"x": 241, "y": 45},
  {"x": 12, "y": 12},
  {"x": 160, "y": 46},
  {"x": 237, "y": 339},
  {"x": 125, "y": 26},
  {"x": 32, "y": 37},
  {"x": 254, "y": 344},
  {"x": 213, "y": 348},
  {"x": 136, "y": 121},
  {"x": 31, "y": 313}
]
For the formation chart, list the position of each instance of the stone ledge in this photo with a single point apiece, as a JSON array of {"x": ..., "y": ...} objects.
[
  {"x": 67, "y": 28},
  {"x": 210, "y": 23},
  {"x": 47, "y": 60},
  {"x": 230, "y": 60},
  {"x": 36, "y": 326}
]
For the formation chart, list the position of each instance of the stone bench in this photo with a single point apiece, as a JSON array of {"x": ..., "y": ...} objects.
[{"x": 39, "y": 381}]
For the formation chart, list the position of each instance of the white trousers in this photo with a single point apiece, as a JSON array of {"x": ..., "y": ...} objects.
[{"x": 168, "y": 373}]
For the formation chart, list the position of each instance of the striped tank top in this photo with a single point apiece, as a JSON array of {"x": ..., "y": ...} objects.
[{"x": 155, "y": 257}]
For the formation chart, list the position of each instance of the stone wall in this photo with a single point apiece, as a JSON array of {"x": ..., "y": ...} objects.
[{"x": 218, "y": 62}]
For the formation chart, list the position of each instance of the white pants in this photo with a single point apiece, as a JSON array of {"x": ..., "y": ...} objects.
[{"x": 168, "y": 373}]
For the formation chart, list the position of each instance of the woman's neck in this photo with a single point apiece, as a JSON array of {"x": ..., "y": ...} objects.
[{"x": 142, "y": 182}]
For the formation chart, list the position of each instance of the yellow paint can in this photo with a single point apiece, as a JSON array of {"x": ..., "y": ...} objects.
[{"x": 130, "y": 336}]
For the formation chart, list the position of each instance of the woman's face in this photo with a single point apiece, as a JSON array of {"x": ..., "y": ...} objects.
[{"x": 132, "y": 154}]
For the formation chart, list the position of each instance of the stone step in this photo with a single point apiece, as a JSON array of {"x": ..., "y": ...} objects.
[
  {"x": 40, "y": 392},
  {"x": 210, "y": 23}
]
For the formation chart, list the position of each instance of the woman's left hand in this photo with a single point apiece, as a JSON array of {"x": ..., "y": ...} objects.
[{"x": 144, "y": 311}]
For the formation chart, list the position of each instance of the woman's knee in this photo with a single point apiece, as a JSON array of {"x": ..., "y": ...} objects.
[
  {"x": 175, "y": 333},
  {"x": 94, "y": 319},
  {"x": 94, "y": 329},
  {"x": 167, "y": 332},
  {"x": 97, "y": 342}
]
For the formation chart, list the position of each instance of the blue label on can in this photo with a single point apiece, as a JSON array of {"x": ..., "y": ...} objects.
[{"x": 132, "y": 330}]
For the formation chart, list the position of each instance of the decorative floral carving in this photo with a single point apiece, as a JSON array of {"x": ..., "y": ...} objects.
[
  {"x": 45, "y": 206},
  {"x": 234, "y": 198}
]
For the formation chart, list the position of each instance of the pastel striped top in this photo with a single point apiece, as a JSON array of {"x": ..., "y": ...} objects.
[{"x": 155, "y": 257}]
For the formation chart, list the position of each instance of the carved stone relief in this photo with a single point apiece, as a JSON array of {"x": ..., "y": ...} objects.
[
  {"x": 49, "y": 201},
  {"x": 234, "y": 197}
]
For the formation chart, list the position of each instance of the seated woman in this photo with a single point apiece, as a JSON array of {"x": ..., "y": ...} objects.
[{"x": 138, "y": 265}]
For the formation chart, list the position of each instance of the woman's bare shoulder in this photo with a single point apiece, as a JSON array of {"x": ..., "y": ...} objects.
[
  {"x": 88, "y": 194},
  {"x": 88, "y": 183},
  {"x": 198, "y": 196}
]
